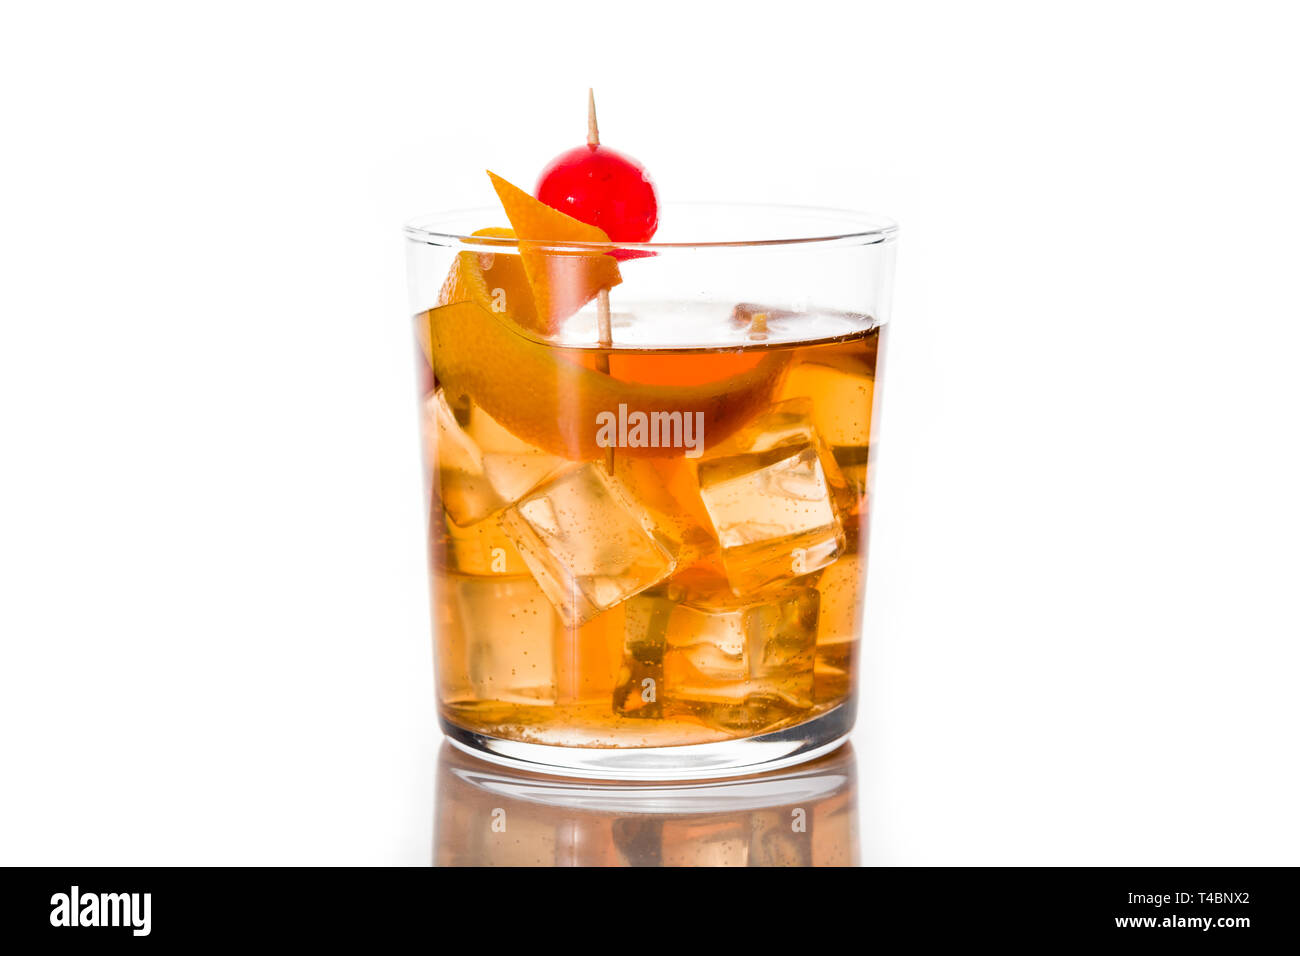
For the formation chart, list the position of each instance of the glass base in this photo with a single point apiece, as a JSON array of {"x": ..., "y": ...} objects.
[{"x": 728, "y": 758}]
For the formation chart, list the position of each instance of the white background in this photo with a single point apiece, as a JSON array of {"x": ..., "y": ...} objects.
[{"x": 1082, "y": 646}]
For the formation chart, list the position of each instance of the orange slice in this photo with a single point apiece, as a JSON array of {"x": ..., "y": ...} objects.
[
  {"x": 561, "y": 282},
  {"x": 498, "y": 283},
  {"x": 549, "y": 397}
]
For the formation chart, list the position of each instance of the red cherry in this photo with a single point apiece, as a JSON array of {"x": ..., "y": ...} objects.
[{"x": 604, "y": 188}]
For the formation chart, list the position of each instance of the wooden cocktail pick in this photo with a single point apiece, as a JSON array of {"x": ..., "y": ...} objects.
[{"x": 603, "y": 326}]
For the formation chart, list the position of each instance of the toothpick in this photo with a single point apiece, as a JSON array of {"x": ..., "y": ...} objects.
[
  {"x": 593, "y": 131},
  {"x": 602, "y": 297},
  {"x": 604, "y": 327}
]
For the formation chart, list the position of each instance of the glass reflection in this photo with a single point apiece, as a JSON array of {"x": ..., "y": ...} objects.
[{"x": 486, "y": 815}]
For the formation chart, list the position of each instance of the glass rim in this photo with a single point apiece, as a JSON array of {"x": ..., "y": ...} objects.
[{"x": 844, "y": 227}]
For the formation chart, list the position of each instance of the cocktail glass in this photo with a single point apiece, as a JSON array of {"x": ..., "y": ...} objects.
[{"x": 648, "y": 523}]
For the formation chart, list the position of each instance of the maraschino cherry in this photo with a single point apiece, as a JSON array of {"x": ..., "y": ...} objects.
[{"x": 601, "y": 187}]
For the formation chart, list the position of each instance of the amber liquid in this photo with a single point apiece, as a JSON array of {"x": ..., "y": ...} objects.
[{"x": 657, "y": 596}]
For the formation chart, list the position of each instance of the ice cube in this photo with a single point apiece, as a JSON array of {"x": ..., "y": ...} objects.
[
  {"x": 588, "y": 543},
  {"x": 512, "y": 466},
  {"x": 480, "y": 549},
  {"x": 645, "y": 632},
  {"x": 742, "y": 663},
  {"x": 457, "y": 463},
  {"x": 773, "y": 493},
  {"x": 481, "y": 468},
  {"x": 842, "y": 390},
  {"x": 669, "y": 490},
  {"x": 855, "y": 530},
  {"x": 858, "y": 468},
  {"x": 841, "y": 588},
  {"x": 498, "y": 641}
]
